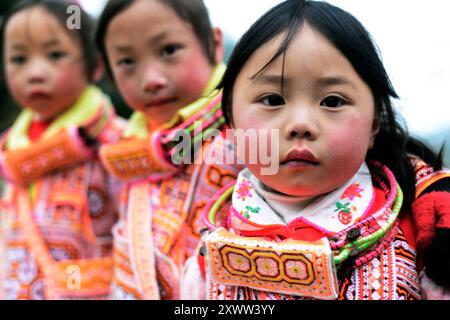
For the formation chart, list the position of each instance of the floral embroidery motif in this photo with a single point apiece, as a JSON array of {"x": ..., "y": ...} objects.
[
  {"x": 352, "y": 192},
  {"x": 248, "y": 210},
  {"x": 244, "y": 189},
  {"x": 253, "y": 210}
]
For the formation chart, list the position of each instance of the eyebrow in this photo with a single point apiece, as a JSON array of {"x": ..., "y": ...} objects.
[
  {"x": 22, "y": 47},
  {"x": 51, "y": 43},
  {"x": 17, "y": 46},
  {"x": 124, "y": 48},
  {"x": 160, "y": 36},
  {"x": 121, "y": 48},
  {"x": 322, "y": 82},
  {"x": 334, "y": 81},
  {"x": 267, "y": 78}
]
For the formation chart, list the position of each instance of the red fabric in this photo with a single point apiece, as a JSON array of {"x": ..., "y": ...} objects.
[
  {"x": 430, "y": 211},
  {"x": 442, "y": 204},
  {"x": 37, "y": 128},
  {"x": 297, "y": 230},
  {"x": 407, "y": 226},
  {"x": 202, "y": 264}
]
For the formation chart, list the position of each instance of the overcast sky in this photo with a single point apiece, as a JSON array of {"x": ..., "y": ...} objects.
[{"x": 413, "y": 37}]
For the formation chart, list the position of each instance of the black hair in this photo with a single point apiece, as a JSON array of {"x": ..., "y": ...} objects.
[
  {"x": 393, "y": 145},
  {"x": 192, "y": 11},
  {"x": 58, "y": 8}
]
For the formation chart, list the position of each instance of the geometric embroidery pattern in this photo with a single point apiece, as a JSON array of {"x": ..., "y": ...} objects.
[
  {"x": 27, "y": 164},
  {"x": 390, "y": 276},
  {"x": 289, "y": 267}
]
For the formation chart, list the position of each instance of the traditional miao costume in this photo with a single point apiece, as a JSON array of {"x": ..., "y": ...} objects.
[
  {"x": 351, "y": 244},
  {"x": 162, "y": 205},
  {"x": 56, "y": 210}
]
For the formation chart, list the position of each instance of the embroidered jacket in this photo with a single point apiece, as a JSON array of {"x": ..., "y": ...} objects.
[
  {"x": 57, "y": 210},
  {"x": 162, "y": 203},
  {"x": 249, "y": 257}
]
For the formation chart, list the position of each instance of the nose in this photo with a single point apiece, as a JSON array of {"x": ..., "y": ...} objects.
[
  {"x": 153, "y": 79},
  {"x": 302, "y": 123},
  {"x": 37, "y": 72}
]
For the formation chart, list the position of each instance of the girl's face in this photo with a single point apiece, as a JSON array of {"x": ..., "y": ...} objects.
[
  {"x": 44, "y": 66},
  {"x": 156, "y": 59},
  {"x": 325, "y": 114}
]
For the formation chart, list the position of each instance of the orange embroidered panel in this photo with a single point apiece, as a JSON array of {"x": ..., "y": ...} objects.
[
  {"x": 289, "y": 267},
  {"x": 25, "y": 165}
]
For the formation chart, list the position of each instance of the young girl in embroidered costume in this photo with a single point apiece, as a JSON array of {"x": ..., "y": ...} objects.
[
  {"x": 57, "y": 210},
  {"x": 333, "y": 222},
  {"x": 165, "y": 59}
]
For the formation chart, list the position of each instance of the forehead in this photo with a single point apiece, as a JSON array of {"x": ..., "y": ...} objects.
[
  {"x": 308, "y": 52},
  {"x": 145, "y": 19},
  {"x": 36, "y": 25}
]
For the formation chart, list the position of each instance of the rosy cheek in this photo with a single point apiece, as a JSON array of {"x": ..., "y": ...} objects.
[
  {"x": 13, "y": 83},
  {"x": 16, "y": 86},
  {"x": 67, "y": 82},
  {"x": 192, "y": 83},
  {"x": 255, "y": 142},
  {"x": 248, "y": 118},
  {"x": 349, "y": 142},
  {"x": 128, "y": 90}
]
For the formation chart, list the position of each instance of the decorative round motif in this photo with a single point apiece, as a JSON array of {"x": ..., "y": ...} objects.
[
  {"x": 239, "y": 262},
  {"x": 267, "y": 267},
  {"x": 296, "y": 269}
]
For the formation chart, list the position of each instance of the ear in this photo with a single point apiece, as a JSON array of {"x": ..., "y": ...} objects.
[
  {"x": 99, "y": 70},
  {"x": 218, "y": 43},
  {"x": 375, "y": 129}
]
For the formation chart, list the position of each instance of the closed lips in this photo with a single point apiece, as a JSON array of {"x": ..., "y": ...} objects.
[
  {"x": 160, "y": 102},
  {"x": 301, "y": 156}
]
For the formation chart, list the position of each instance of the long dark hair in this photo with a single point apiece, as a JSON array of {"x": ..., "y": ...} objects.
[
  {"x": 393, "y": 145},
  {"x": 58, "y": 8},
  {"x": 193, "y": 12}
]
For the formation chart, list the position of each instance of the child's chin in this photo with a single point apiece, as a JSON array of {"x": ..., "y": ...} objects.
[
  {"x": 298, "y": 193},
  {"x": 43, "y": 114}
]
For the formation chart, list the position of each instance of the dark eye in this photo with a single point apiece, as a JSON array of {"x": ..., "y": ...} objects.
[
  {"x": 56, "y": 55},
  {"x": 333, "y": 102},
  {"x": 170, "y": 50},
  {"x": 18, "y": 59},
  {"x": 125, "y": 62},
  {"x": 272, "y": 100}
]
